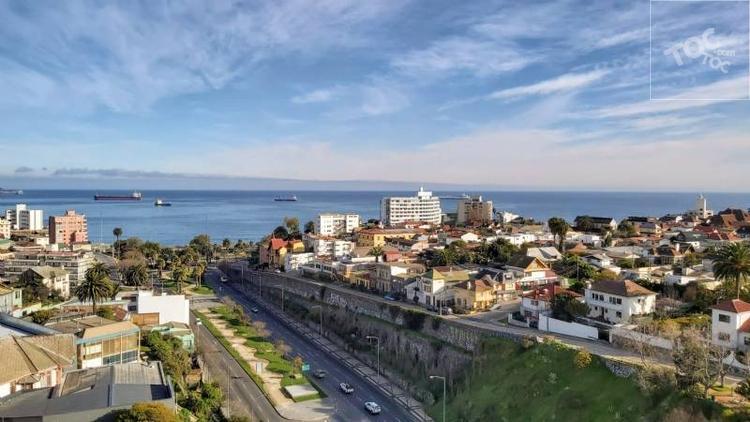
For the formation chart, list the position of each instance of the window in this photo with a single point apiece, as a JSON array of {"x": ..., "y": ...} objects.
[
  {"x": 723, "y": 336},
  {"x": 619, "y": 314},
  {"x": 747, "y": 341},
  {"x": 723, "y": 318}
]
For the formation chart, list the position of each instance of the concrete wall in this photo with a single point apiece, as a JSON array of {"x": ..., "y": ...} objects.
[{"x": 567, "y": 328}]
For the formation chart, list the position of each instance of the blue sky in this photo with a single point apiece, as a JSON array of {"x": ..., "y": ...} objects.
[{"x": 539, "y": 95}]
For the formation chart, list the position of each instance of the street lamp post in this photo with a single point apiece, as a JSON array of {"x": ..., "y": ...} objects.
[
  {"x": 321, "y": 318},
  {"x": 432, "y": 377},
  {"x": 378, "y": 353}
]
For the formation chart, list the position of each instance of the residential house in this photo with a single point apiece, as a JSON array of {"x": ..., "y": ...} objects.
[
  {"x": 530, "y": 271},
  {"x": 455, "y": 235},
  {"x": 101, "y": 341},
  {"x": 149, "y": 309},
  {"x": 371, "y": 238},
  {"x": 53, "y": 278},
  {"x": 602, "y": 262},
  {"x": 11, "y": 299},
  {"x": 292, "y": 261},
  {"x": 93, "y": 394},
  {"x": 333, "y": 224},
  {"x": 273, "y": 253},
  {"x": 546, "y": 254},
  {"x": 33, "y": 362},
  {"x": 329, "y": 246},
  {"x": 408, "y": 245},
  {"x": 475, "y": 295},
  {"x": 730, "y": 324},
  {"x": 432, "y": 289},
  {"x": 591, "y": 223},
  {"x": 391, "y": 276},
  {"x": 617, "y": 301},
  {"x": 539, "y": 300}
]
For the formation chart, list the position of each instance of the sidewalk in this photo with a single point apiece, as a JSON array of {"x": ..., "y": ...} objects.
[{"x": 386, "y": 387}]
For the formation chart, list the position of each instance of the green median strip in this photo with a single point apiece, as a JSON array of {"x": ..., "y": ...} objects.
[{"x": 228, "y": 346}]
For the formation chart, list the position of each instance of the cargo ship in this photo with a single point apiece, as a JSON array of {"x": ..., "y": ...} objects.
[
  {"x": 10, "y": 191},
  {"x": 135, "y": 196},
  {"x": 292, "y": 198}
]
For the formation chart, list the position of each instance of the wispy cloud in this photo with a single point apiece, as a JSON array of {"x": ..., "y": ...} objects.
[
  {"x": 317, "y": 96},
  {"x": 563, "y": 83},
  {"x": 23, "y": 170}
]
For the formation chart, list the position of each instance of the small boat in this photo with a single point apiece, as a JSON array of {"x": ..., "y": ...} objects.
[
  {"x": 292, "y": 198},
  {"x": 135, "y": 196},
  {"x": 162, "y": 203}
]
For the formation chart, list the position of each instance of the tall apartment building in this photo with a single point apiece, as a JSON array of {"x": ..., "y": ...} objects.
[
  {"x": 330, "y": 224},
  {"x": 400, "y": 209},
  {"x": 69, "y": 228},
  {"x": 23, "y": 218},
  {"x": 75, "y": 263},
  {"x": 473, "y": 210},
  {"x": 4, "y": 228}
]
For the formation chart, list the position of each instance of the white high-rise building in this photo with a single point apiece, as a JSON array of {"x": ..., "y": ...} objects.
[
  {"x": 330, "y": 224},
  {"x": 423, "y": 207},
  {"x": 22, "y": 218}
]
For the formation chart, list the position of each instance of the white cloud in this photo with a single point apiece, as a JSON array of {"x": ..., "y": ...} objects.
[
  {"x": 127, "y": 56},
  {"x": 564, "y": 83},
  {"x": 317, "y": 96}
]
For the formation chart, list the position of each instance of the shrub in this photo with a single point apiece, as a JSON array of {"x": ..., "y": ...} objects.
[
  {"x": 42, "y": 316},
  {"x": 527, "y": 342},
  {"x": 105, "y": 312},
  {"x": 146, "y": 412},
  {"x": 582, "y": 359},
  {"x": 743, "y": 388}
]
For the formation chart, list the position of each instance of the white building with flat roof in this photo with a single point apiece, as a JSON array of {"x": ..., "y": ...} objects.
[
  {"x": 400, "y": 209},
  {"x": 23, "y": 218},
  {"x": 334, "y": 224}
]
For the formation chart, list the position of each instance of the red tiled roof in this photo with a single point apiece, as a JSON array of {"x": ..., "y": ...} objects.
[
  {"x": 734, "y": 306},
  {"x": 745, "y": 327},
  {"x": 545, "y": 292}
]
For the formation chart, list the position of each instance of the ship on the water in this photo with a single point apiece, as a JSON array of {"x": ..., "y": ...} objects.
[
  {"x": 135, "y": 196},
  {"x": 162, "y": 203},
  {"x": 292, "y": 198},
  {"x": 4, "y": 191}
]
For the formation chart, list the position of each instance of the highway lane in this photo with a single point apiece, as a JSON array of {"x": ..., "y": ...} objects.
[
  {"x": 244, "y": 396},
  {"x": 349, "y": 407}
]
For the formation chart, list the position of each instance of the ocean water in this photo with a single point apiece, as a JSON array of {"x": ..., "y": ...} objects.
[{"x": 249, "y": 215}]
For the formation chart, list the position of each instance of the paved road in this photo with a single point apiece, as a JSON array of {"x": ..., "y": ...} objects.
[
  {"x": 244, "y": 396},
  {"x": 349, "y": 407}
]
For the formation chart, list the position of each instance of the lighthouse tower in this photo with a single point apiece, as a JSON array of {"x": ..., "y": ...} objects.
[{"x": 701, "y": 207}]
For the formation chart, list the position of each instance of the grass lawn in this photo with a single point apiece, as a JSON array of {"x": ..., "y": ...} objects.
[
  {"x": 543, "y": 384},
  {"x": 203, "y": 290}
]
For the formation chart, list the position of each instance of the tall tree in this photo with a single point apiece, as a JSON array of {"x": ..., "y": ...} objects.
[
  {"x": 377, "y": 252},
  {"x": 310, "y": 227},
  {"x": 202, "y": 244},
  {"x": 732, "y": 264},
  {"x": 179, "y": 275},
  {"x": 136, "y": 275},
  {"x": 559, "y": 228},
  {"x": 198, "y": 271},
  {"x": 95, "y": 286},
  {"x": 292, "y": 225},
  {"x": 117, "y": 232}
]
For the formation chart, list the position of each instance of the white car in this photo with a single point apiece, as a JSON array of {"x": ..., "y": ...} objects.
[
  {"x": 372, "y": 407},
  {"x": 346, "y": 388},
  {"x": 224, "y": 279}
]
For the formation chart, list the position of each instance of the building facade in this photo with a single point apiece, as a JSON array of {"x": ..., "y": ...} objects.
[
  {"x": 617, "y": 301},
  {"x": 23, "y": 218},
  {"x": 68, "y": 229},
  {"x": 474, "y": 211},
  {"x": 5, "y": 227},
  {"x": 401, "y": 209},
  {"x": 56, "y": 279},
  {"x": 75, "y": 263},
  {"x": 330, "y": 224}
]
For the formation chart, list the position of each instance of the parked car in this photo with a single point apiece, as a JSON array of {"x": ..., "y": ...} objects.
[
  {"x": 320, "y": 373},
  {"x": 389, "y": 297},
  {"x": 372, "y": 407},
  {"x": 254, "y": 310},
  {"x": 224, "y": 279},
  {"x": 346, "y": 388}
]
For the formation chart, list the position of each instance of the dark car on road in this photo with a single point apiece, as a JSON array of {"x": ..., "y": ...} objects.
[{"x": 320, "y": 373}]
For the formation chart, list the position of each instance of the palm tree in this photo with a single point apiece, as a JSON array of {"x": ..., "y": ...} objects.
[
  {"x": 117, "y": 232},
  {"x": 732, "y": 263},
  {"x": 136, "y": 275},
  {"x": 377, "y": 251},
  {"x": 559, "y": 228},
  {"x": 96, "y": 286},
  {"x": 198, "y": 271},
  {"x": 179, "y": 274},
  {"x": 160, "y": 265}
]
